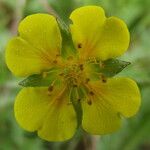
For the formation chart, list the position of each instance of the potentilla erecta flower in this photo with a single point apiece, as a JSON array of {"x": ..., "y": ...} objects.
[{"x": 74, "y": 93}]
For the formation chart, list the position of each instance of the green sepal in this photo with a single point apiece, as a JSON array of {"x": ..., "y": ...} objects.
[
  {"x": 75, "y": 98},
  {"x": 39, "y": 80},
  {"x": 68, "y": 48},
  {"x": 108, "y": 68},
  {"x": 112, "y": 67}
]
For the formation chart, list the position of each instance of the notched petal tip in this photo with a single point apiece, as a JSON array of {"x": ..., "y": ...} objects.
[
  {"x": 100, "y": 37},
  {"x": 99, "y": 118},
  {"x": 86, "y": 9},
  {"x": 116, "y": 98},
  {"x": 35, "y": 110},
  {"x": 134, "y": 100},
  {"x": 39, "y": 41}
]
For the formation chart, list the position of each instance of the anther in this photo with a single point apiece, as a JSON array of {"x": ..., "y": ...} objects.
[
  {"x": 79, "y": 45},
  {"x": 81, "y": 67},
  {"x": 61, "y": 74},
  {"x": 91, "y": 93},
  {"x": 104, "y": 79},
  {"x": 55, "y": 61},
  {"x": 74, "y": 85},
  {"x": 50, "y": 88},
  {"x": 58, "y": 55},
  {"x": 89, "y": 102},
  {"x": 79, "y": 99}
]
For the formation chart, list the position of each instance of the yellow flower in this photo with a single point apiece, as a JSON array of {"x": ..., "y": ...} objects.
[{"x": 49, "y": 110}]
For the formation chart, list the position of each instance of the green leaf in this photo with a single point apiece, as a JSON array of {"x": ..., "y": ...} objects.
[{"x": 40, "y": 79}]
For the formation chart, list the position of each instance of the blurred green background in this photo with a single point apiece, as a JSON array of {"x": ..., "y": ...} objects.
[{"x": 135, "y": 132}]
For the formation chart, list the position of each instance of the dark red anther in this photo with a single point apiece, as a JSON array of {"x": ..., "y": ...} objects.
[
  {"x": 89, "y": 102},
  {"x": 50, "y": 88},
  {"x": 91, "y": 93},
  {"x": 79, "y": 45}
]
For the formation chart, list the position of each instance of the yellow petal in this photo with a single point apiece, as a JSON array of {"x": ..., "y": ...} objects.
[
  {"x": 23, "y": 59},
  {"x": 109, "y": 100},
  {"x": 114, "y": 39},
  {"x": 60, "y": 123},
  {"x": 49, "y": 114},
  {"x": 121, "y": 93},
  {"x": 31, "y": 107},
  {"x": 39, "y": 35},
  {"x": 94, "y": 35},
  {"x": 99, "y": 117},
  {"x": 42, "y": 31}
]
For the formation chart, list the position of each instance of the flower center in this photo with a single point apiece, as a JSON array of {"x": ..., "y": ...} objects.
[
  {"x": 77, "y": 75},
  {"x": 74, "y": 75}
]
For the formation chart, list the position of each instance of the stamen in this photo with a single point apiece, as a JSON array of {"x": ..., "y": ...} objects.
[
  {"x": 79, "y": 99},
  {"x": 81, "y": 67},
  {"x": 58, "y": 55},
  {"x": 50, "y": 88},
  {"x": 104, "y": 79},
  {"x": 56, "y": 58},
  {"x": 75, "y": 85},
  {"x": 89, "y": 101},
  {"x": 61, "y": 74},
  {"x": 91, "y": 93},
  {"x": 55, "y": 61},
  {"x": 79, "y": 45}
]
